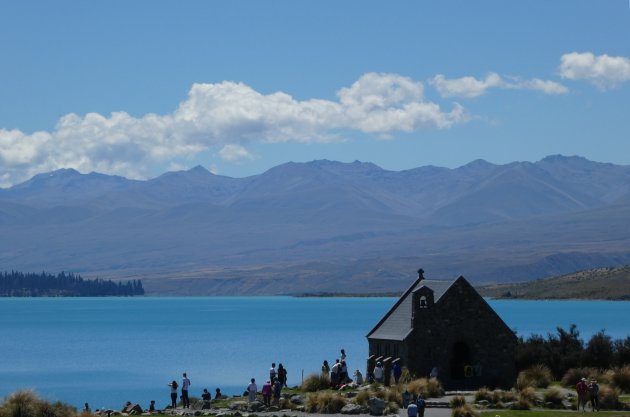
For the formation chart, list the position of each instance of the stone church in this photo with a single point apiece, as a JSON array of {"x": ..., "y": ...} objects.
[{"x": 448, "y": 326}]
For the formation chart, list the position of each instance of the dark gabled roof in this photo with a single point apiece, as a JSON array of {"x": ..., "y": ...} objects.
[{"x": 396, "y": 324}]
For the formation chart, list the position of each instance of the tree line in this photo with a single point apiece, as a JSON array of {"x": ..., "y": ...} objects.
[
  {"x": 19, "y": 284},
  {"x": 565, "y": 349}
]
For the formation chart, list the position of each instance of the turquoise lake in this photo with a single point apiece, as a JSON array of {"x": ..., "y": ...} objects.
[{"x": 106, "y": 351}]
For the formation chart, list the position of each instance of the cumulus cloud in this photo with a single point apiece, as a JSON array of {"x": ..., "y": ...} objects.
[
  {"x": 470, "y": 87},
  {"x": 234, "y": 152},
  {"x": 224, "y": 115},
  {"x": 604, "y": 71}
]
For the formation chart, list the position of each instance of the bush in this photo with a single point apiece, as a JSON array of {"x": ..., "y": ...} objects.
[
  {"x": 28, "y": 404},
  {"x": 405, "y": 376},
  {"x": 528, "y": 394},
  {"x": 483, "y": 394},
  {"x": 392, "y": 408},
  {"x": 621, "y": 378},
  {"x": 465, "y": 411},
  {"x": 499, "y": 396},
  {"x": 428, "y": 388},
  {"x": 458, "y": 401},
  {"x": 362, "y": 398},
  {"x": 521, "y": 404},
  {"x": 537, "y": 376},
  {"x": 315, "y": 382},
  {"x": 324, "y": 402},
  {"x": 554, "y": 397},
  {"x": 608, "y": 398},
  {"x": 573, "y": 375},
  {"x": 392, "y": 395}
]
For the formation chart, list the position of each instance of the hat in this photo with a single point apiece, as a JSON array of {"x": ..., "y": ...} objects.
[{"x": 583, "y": 379}]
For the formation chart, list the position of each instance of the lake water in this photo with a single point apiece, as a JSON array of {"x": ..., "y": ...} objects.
[{"x": 109, "y": 350}]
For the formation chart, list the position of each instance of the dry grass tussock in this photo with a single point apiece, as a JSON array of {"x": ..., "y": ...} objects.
[
  {"x": 528, "y": 394},
  {"x": 537, "y": 376},
  {"x": 496, "y": 397},
  {"x": 28, "y": 404},
  {"x": 620, "y": 378},
  {"x": 324, "y": 402},
  {"x": 465, "y": 411},
  {"x": 316, "y": 382},
  {"x": 458, "y": 401},
  {"x": 428, "y": 388},
  {"x": 609, "y": 398},
  {"x": 521, "y": 404},
  {"x": 573, "y": 375},
  {"x": 553, "y": 397}
]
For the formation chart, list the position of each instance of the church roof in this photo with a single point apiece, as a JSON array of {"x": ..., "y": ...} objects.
[{"x": 396, "y": 324}]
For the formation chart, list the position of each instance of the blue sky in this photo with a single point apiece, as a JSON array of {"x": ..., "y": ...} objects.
[{"x": 138, "y": 88}]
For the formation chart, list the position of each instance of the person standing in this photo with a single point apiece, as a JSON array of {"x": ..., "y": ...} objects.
[
  {"x": 173, "y": 386},
  {"x": 282, "y": 375},
  {"x": 185, "y": 386},
  {"x": 378, "y": 373},
  {"x": 272, "y": 372},
  {"x": 421, "y": 404},
  {"x": 582, "y": 391},
  {"x": 412, "y": 410},
  {"x": 266, "y": 393},
  {"x": 325, "y": 368},
  {"x": 396, "y": 371},
  {"x": 277, "y": 390},
  {"x": 251, "y": 391},
  {"x": 342, "y": 356},
  {"x": 593, "y": 392}
]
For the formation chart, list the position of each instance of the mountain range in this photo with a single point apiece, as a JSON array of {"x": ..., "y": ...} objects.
[{"x": 321, "y": 226}]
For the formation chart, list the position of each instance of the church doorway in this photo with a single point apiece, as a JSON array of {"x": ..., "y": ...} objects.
[{"x": 460, "y": 359}]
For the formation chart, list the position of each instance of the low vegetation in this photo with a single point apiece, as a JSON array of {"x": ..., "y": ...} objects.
[
  {"x": 26, "y": 403},
  {"x": 325, "y": 402},
  {"x": 536, "y": 376}
]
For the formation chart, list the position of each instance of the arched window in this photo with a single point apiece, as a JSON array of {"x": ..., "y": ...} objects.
[{"x": 423, "y": 302}]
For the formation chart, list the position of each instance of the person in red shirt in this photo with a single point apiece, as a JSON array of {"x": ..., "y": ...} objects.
[{"x": 582, "y": 394}]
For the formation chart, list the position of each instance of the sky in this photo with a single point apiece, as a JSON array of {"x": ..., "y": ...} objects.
[{"x": 138, "y": 88}]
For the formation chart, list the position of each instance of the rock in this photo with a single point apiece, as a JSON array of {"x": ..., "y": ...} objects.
[
  {"x": 197, "y": 413},
  {"x": 351, "y": 409},
  {"x": 483, "y": 403},
  {"x": 255, "y": 406},
  {"x": 239, "y": 405},
  {"x": 376, "y": 406},
  {"x": 297, "y": 399},
  {"x": 300, "y": 408},
  {"x": 274, "y": 409},
  {"x": 351, "y": 394}
]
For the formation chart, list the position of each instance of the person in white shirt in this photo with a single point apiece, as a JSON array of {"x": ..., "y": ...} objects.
[
  {"x": 251, "y": 391},
  {"x": 378, "y": 372}
]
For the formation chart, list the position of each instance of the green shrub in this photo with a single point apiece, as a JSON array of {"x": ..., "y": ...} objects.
[
  {"x": 315, "y": 382},
  {"x": 537, "y": 376},
  {"x": 458, "y": 401},
  {"x": 465, "y": 411},
  {"x": 554, "y": 397},
  {"x": 324, "y": 402},
  {"x": 621, "y": 378}
]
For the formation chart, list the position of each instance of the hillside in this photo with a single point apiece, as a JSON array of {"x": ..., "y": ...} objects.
[
  {"x": 321, "y": 226},
  {"x": 598, "y": 284}
]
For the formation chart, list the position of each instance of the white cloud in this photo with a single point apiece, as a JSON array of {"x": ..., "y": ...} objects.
[
  {"x": 470, "y": 87},
  {"x": 234, "y": 152},
  {"x": 604, "y": 71},
  {"x": 223, "y": 115}
]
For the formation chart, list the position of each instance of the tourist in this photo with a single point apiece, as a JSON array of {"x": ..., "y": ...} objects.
[
  {"x": 412, "y": 410},
  {"x": 152, "y": 407},
  {"x": 86, "y": 408},
  {"x": 206, "y": 397},
  {"x": 406, "y": 398},
  {"x": 358, "y": 377},
  {"x": 378, "y": 373},
  {"x": 344, "y": 373},
  {"x": 173, "y": 386},
  {"x": 421, "y": 404},
  {"x": 325, "y": 368},
  {"x": 434, "y": 372},
  {"x": 277, "y": 389},
  {"x": 335, "y": 374},
  {"x": 272, "y": 371},
  {"x": 185, "y": 386},
  {"x": 251, "y": 391},
  {"x": 593, "y": 392},
  {"x": 396, "y": 371},
  {"x": 282, "y": 375},
  {"x": 266, "y": 393},
  {"x": 342, "y": 357},
  {"x": 582, "y": 391},
  {"x": 217, "y": 394}
]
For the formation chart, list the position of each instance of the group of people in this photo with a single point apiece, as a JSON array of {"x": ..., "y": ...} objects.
[
  {"x": 339, "y": 372},
  {"x": 414, "y": 408},
  {"x": 587, "y": 391},
  {"x": 271, "y": 388},
  {"x": 205, "y": 396}
]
